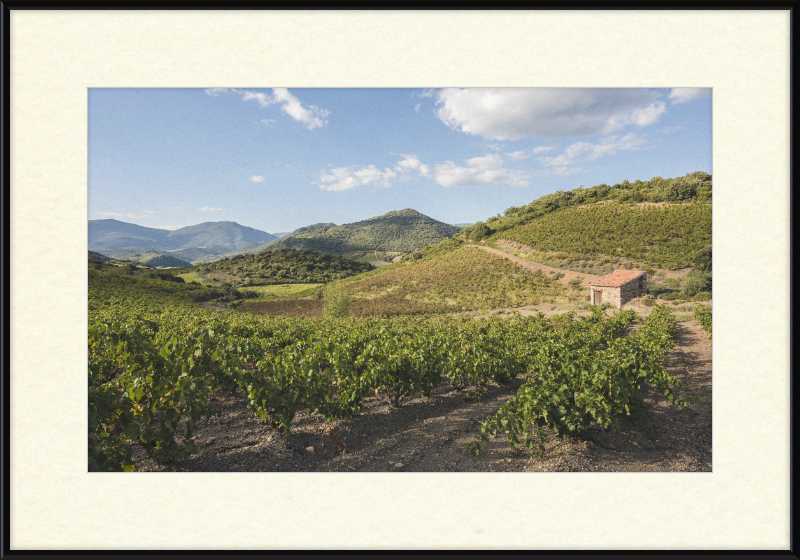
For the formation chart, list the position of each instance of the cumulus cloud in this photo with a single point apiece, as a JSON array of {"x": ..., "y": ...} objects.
[
  {"x": 416, "y": 109},
  {"x": 684, "y": 94},
  {"x": 670, "y": 129},
  {"x": 312, "y": 115},
  {"x": 266, "y": 122},
  {"x": 411, "y": 162},
  {"x": 256, "y": 178},
  {"x": 346, "y": 178},
  {"x": 542, "y": 149},
  {"x": 485, "y": 170},
  {"x": 209, "y": 209},
  {"x": 608, "y": 146},
  {"x": 517, "y": 113},
  {"x": 519, "y": 155}
]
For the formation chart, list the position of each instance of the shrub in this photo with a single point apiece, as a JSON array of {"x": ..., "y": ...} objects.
[
  {"x": 702, "y": 260},
  {"x": 336, "y": 301},
  {"x": 648, "y": 301},
  {"x": 575, "y": 282},
  {"x": 696, "y": 282}
]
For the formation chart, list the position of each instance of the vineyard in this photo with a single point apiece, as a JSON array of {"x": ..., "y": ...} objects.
[
  {"x": 464, "y": 278},
  {"x": 659, "y": 236},
  {"x": 156, "y": 362}
]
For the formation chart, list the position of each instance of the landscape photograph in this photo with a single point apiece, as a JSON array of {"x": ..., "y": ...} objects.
[{"x": 400, "y": 280}]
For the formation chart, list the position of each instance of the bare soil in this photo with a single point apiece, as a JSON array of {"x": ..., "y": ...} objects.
[
  {"x": 587, "y": 279},
  {"x": 429, "y": 434}
]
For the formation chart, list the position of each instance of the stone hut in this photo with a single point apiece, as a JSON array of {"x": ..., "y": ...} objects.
[{"x": 619, "y": 287}]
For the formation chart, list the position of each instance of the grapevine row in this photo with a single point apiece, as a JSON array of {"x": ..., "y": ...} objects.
[{"x": 151, "y": 375}]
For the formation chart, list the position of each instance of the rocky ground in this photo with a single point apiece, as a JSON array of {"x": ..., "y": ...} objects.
[{"x": 429, "y": 434}]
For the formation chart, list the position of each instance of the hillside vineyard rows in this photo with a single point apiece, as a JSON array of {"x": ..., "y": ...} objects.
[
  {"x": 154, "y": 362},
  {"x": 157, "y": 358},
  {"x": 664, "y": 236}
]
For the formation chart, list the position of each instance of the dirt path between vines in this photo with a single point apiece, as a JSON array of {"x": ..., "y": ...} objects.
[
  {"x": 428, "y": 434},
  {"x": 534, "y": 266}
]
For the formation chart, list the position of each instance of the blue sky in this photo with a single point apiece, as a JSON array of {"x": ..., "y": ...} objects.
[{"x": 276, "y": 159}]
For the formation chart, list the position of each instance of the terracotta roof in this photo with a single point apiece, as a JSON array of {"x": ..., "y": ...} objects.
[{"x": 617, "y": 278}]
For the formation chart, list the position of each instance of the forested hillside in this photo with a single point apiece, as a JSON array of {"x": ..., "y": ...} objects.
[
  {"x": 284, "y": 266},
  {"x": 403, "y": 230}
]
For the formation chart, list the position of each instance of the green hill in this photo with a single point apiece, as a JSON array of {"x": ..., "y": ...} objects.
[
  {"x": 659, "y": 236},
  {"x": 166, "y": 261},
  {"x": 401, "y": 231},
  {"x": 197, "y": 255},
  {"x": 466, "y": 278},
  {"x": 98, "y": 258},
  {"x": 155, "y": 259},
  {"x": 693, "y": 187},
  {"x": 284, "y": 266}
]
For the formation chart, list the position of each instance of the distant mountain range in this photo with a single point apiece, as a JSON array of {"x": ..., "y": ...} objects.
[
  {"x": 403, "y": 230},
  {"x": 114, "y": 234}
]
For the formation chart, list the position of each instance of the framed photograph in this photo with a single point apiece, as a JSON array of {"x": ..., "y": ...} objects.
[{"x": 453, "y": 179}]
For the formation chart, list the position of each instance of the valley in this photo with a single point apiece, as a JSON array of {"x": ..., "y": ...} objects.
[{"x": 400, "y": 343}]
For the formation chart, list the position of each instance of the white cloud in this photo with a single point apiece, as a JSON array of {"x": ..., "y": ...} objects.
[
  {"x": 412, "y": 162},
  {"x": 256, "y": 178},
  {"x": 608, "y": 146},
  {"x": 312, "y": 115},
  {"x": 209, "y": 209},
  {"x": 670, "y": 129},
  {"x": 346, "y": 178},
  {"x": 516, "y": 113},
  {"x": 180, "y": 207},
  {"x": 485, "y": 170},
  {"x": 542, "y": 149},
  {"x": 684, "y": 94},
  {"x": 416, "y": 109},
  {"x": 266, "y": 122},
  {"x": 149, "y": 211},
  {"x": 519, "y": 155},
  {"x": 215, "y": 91}
]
